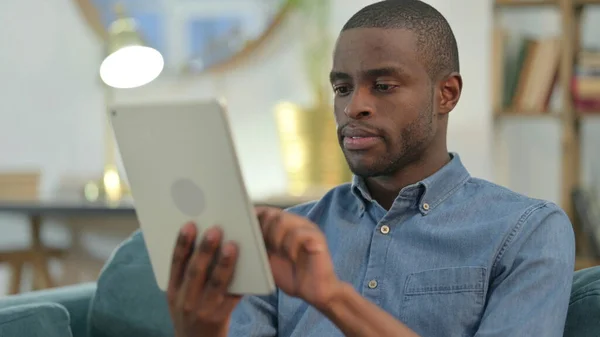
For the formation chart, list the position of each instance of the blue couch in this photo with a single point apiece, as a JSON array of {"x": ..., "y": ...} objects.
[{"x": 110, "y": 306}]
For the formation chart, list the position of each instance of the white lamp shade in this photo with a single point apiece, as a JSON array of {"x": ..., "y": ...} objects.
[{"x": 132, "y": 66}]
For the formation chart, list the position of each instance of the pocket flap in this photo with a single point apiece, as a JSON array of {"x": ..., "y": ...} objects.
[{"x": 446, "y": 280}]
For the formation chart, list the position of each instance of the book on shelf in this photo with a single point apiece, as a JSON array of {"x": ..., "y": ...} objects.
[
  {"x": 525, "y": 72},
  {"x": 585, "y": 86}
]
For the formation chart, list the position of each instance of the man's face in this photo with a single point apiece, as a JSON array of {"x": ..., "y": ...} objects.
[{"x": 384, "y": 100}]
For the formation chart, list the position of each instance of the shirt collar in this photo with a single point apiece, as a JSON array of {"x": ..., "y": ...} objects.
[{"x": 431, "y": 191}]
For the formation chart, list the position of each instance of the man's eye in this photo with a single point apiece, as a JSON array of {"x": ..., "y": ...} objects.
[
  {"x": 384, "y": 87},
  {"x": 341, "y": 90}
]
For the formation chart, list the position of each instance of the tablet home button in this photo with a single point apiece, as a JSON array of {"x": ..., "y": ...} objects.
[{"x": 188, "y": 197}]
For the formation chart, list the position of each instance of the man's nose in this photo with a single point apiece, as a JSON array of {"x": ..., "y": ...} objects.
[{"x": 360, "y": 105}]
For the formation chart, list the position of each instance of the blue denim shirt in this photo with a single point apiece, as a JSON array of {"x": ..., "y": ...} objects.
[{"x": 454, "y": 256}]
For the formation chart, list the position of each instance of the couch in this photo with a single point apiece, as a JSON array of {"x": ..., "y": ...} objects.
[{"x": 101, "y": 309}]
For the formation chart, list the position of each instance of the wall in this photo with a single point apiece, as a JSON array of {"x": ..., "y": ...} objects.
[
  {"x": 50, "y": 102},
  {"x": 470, "y": 129},
  {"x": 51, "y": 98}
]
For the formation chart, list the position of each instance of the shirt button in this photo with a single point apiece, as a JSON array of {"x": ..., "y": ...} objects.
[
  {"x": 372, "y": 284},
  {"x": 426, "y": 206},
  {"x": 385, "y": 229}
]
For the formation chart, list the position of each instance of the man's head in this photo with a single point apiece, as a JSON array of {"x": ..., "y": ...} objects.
[{"x": 396, "y": 77}]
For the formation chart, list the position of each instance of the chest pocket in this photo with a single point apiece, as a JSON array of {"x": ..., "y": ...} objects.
[{"x": 444, "y": 302}]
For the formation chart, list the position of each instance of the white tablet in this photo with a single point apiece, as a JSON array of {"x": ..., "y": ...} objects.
[{"x": 181, "y": 165}]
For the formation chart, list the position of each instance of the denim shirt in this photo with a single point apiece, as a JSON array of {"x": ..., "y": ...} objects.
[{"x": 453, "y": 256}]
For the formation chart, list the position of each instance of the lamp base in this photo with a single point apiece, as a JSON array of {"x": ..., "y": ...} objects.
[
  {"x": 110, "y": 188},
  {"x": 312, "y": 158}
]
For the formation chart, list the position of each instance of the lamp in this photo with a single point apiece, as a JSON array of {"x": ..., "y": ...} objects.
[{"x": 129, "y": 63}]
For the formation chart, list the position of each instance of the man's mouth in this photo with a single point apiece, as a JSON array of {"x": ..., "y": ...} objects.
[{"x": 357, "y": 143}]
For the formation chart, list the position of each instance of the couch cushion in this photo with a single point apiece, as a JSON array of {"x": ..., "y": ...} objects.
[
  {"x": 128, "y": 301},
  {"x": 75, "y": 298},
  {"x": 583, "y": 318},
  {"x": 35, "y": 320}
]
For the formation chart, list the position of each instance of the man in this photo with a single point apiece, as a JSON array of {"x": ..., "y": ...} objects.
[{"x": 414, "y": 246}]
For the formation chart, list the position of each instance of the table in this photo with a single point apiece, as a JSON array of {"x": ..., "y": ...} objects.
[{"x": 37, "y": 254}]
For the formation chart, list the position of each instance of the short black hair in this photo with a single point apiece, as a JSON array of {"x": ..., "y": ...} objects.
[{"x": 435, "y": 40}]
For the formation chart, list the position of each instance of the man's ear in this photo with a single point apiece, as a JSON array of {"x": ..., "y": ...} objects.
[{"x": 450, "y": 90}]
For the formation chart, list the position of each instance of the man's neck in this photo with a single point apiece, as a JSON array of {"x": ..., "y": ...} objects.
[{"x": 385, "y": 189}]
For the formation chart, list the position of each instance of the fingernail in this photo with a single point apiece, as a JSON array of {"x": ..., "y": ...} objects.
[
  {"x": 188, "y": 229},
  {"x": 228, "y": 250},
  {"x": 313, "y": 247},
  {"x": 212, "y": 234}
]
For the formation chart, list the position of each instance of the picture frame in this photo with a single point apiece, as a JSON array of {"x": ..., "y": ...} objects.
[{"x": 195, "y": 36}]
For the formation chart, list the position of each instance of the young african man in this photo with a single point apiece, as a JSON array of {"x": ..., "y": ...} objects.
[{"x": 414, "y": 246}]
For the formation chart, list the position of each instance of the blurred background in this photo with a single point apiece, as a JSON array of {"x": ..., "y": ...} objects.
[{"x": 527, "y": 118}]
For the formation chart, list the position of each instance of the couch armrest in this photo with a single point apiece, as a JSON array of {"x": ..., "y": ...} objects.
[
  {"x": 584, "y": 306},
  {"x": 35, "y": 320},
  {"x": 76, "y": 299}
]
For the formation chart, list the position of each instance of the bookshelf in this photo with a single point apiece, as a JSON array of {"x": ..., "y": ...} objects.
[{"x": 532, "y": 93}]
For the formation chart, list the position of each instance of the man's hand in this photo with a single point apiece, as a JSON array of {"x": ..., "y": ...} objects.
[
  {"x": 299, "y": 257},
  {"x": 198, "y": 300},
  {"x": 302, "y": 267}
]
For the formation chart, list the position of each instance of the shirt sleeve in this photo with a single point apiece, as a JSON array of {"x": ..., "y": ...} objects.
[
  {"x": 255, "y": 316},
  {"x": 529, "y": 291}
]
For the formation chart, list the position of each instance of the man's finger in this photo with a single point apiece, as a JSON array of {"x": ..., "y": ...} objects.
[
  {"x": 276, "y": 232},
  {"x": 181, "y": 254},
  {"x": 199, "y": 265},
  {"x": 276, "y": 225},
  {"x": 217, "y": 283},
  {"x": 270, "y": 223},
  {"x": 296, "y": 239}
]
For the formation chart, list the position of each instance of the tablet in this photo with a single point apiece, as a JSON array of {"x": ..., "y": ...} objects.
[{"x": 181, "y": 166}]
